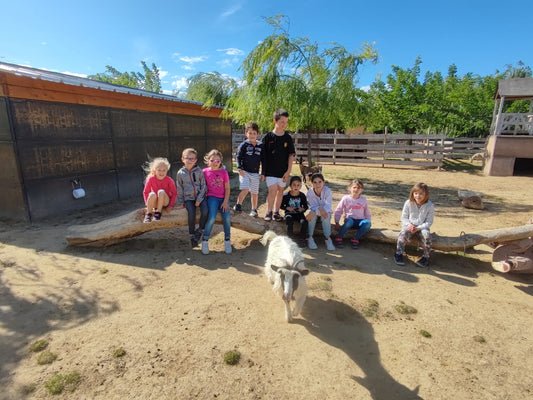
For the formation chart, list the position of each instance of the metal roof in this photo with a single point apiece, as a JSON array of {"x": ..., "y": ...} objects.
[
  {"x": 85, "y": 82},
  {"x": 515, "y": 89}
]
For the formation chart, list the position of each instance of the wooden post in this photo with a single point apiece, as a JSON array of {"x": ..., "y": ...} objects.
[
  {"x": 334, "y": 145},
  {"x": 384, "y": 145}
]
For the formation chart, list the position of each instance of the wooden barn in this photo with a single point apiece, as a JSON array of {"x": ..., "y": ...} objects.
[
  {"x": 60, "y": 132},
  {"x": 510, "y": 145}
]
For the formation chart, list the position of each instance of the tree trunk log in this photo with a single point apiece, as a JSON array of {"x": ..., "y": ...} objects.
[{"x": 127, "y": 226}]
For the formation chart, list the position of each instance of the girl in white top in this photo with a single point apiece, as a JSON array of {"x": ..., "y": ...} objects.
[
  {"x": 417, "y": 216},
  {"x": 319, "y": 199}
]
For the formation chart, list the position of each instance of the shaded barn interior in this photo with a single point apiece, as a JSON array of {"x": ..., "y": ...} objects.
[
  {"x": 509, "y": 148},
  {"x": 59, "y": 132}
]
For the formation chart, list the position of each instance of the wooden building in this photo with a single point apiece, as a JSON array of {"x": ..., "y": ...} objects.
[
  {"x": 60, "y": 132},
  {"x": 510, "y": 144}
]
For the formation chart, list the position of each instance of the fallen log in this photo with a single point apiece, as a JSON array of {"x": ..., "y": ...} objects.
[{"x": 127, "y": 226}]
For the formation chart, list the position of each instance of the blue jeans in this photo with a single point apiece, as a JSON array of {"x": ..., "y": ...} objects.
[
  {"x": 191, "y": 212},
  {"x": 326, "y": 226},
  {"x": 362, "y": 226},
  {"x": 213, "y": 204}
]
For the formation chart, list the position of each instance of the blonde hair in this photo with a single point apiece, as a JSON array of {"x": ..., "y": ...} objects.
[
  {"x": 212, "y": 153},
  {"x": 150, "y": 166},
  {"x": 422, "y": 188}
]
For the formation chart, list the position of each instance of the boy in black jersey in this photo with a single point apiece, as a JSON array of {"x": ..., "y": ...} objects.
[{"x": 277, "y": 159}]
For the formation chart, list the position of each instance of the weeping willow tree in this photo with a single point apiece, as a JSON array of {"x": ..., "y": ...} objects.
[{"x": 317, "y": 86}]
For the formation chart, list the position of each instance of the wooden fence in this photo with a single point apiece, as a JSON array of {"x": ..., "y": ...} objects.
[{"x": 382, "y": 149}]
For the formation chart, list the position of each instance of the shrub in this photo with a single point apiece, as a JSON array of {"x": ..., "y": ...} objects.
[{"x": 232, "y": 357}]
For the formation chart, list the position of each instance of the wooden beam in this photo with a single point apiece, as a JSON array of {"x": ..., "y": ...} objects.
[{"x": 127, "y": 226}]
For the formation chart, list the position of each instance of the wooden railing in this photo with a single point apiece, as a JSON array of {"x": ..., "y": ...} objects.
[{"x": 382, "y": 149}]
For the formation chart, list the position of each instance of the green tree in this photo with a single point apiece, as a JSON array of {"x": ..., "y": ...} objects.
[
  {"x": 149, "y": 81},
  {"x": 317, "y": 86},
  {"x": 210, "y": 88}
]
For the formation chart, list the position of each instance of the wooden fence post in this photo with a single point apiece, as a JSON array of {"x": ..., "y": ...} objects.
[{"x": 384, "y": 145}]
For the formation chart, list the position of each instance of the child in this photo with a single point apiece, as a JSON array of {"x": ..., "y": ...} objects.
[
  {"x": 295, "y": 205},
  {"x": 417, "y": 216},
  {"x": 218, "y": 188},
  {"x": 159, "y": 190},
  {"x": 248, "y": 163},
  {"x": 191, "y": 187},
  {"x": 319, "y": 198},
  {"x": 354, "y": 208},
  {"x": 277, "y": 158}
]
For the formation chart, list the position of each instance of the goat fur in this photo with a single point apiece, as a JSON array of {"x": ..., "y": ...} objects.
[
  {"x": 285, "y": 259},
  {"x": 307, "y": 171}
]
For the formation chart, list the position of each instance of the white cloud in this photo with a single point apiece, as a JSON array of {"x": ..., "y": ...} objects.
[
  {"x": 180, "y": 83},
  {"x": 44, "y": 43},
  {"x": 162, "y": 73},
  {"x": 225, "y": 63},
  {"x": 187, "y": 68},
  {"x": 192, "y": 60},
  {"x": 232, "y": 51},
  {"x": 229, "y": 12},
  {"x": 75, "y": 74}
]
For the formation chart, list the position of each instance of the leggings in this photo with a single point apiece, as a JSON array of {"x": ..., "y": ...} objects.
[{"x": 404, "y": 236}]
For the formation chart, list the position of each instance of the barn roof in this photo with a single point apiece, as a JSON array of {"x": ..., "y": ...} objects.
[
  {"x": 21, "y": 82},
  {"x": 515, "y": 89},
  {"x": 35, "y": 73}
]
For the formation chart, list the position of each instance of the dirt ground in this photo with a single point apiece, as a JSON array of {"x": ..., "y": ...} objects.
[{"x": 176, "y": 312}]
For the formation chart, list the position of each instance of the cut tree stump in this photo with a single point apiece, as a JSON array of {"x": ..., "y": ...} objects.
[
  {"x": 470, "y": 199},
  {"x": 127, "y": 226}
]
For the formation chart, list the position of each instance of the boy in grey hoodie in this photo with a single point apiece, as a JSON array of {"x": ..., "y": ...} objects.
[{"x": 191, "y": 187}]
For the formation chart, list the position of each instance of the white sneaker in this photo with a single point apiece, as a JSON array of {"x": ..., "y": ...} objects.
[
  {"x": 501, "y": 266},
  {"x": 205, "y": 246},
  {"x": 227, "y": 246},
  {"x": 329, "y": 244},
  {"x": 311, "y": 243}
]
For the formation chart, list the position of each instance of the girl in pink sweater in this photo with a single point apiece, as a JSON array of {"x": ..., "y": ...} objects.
[
  {"x": 159, "y": 190},
  {"x": 354, "y": 208}
]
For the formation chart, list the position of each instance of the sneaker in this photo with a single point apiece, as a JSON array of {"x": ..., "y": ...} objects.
[
  {"x": 277, "y": 217},
  {"x": 147, "y": 218},
  {"x": 423, "y": 262},
  {"x": 157, "y": 216},
  {"x": 311, "y": 243},
  {"x": 237, "y": 208},
  {"x": 355, "y": 243},
  {"x": 398, "y": 259},
  {"x": 329, "y": 244},
  {"x": 227, "y": 246},
  {"x": 205, "y": 246},
  {"x": 501, "y": 266},
  {"x": 253, "y": 213},
  {"x": 338, "y": 243},
  {"x": 268, "y": 216},
  {"x": 194, "y": 241},
  {"x": 198, "y": 234}
]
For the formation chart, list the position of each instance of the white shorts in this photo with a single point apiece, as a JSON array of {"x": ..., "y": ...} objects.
[
  {"x": 249, "y": 181},
  {"x": 272, "y": 180}
]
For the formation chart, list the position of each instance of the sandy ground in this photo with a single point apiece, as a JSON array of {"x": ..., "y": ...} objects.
[{"x": 176, "y": 312}]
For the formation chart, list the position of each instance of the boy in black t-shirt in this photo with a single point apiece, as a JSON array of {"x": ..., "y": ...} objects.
[{"x": 277, "y": 158}]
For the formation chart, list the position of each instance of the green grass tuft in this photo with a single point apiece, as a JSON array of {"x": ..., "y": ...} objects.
[
  {"x": 371, "y": 309},
  {"x": 425, "y": 333},
  {"x": 120, "y": 352},
  {"x": 46, "y": 357},
  {"x": 403, "y": 308},
  {"x": 58, "y": 383},
  {"x": 480, "y": 339},
  {"x": 232, "y": 357},
  {"x": 38, "y": 345}
]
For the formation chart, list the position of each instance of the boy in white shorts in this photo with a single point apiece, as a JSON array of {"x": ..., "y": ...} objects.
[
  {"x": 278, "y": 157},
  {"x": 248, "y": 163}
]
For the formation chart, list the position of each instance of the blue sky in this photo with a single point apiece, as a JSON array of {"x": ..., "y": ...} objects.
[{"x": 186, "y": 37}]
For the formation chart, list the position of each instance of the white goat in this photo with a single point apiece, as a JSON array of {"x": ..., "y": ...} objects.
[{"x": 284, "y": 268}]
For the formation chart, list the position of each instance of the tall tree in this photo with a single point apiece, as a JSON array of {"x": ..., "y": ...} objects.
[
  {"x": 148, "y": 81},
  {"x": 210, "y": 88},
  {"x": 317, "y": 86}
]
